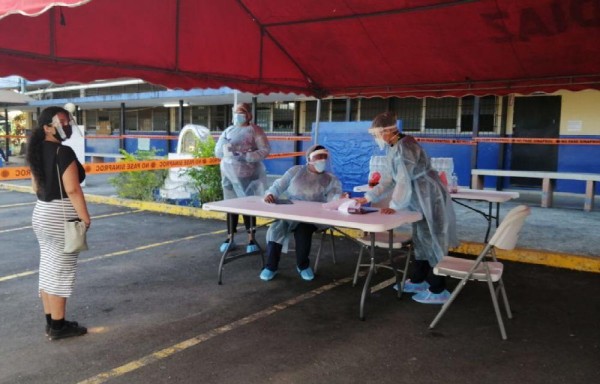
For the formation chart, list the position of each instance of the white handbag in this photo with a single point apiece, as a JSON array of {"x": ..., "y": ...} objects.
[{"x": 75, "y": 230}]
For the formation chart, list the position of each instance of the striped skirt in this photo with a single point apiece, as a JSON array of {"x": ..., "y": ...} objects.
[{"x": 57, "y": 268}]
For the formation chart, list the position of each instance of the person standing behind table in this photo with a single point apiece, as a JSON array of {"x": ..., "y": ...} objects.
[
  {"x": 415, "y": 185},
  {"x": 242, "y": 147},
  {"x": 57, "y": 268},
  {"x": 308, "y": 182}
]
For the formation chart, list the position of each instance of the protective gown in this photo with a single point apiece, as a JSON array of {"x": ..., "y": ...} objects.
[
  {"x": 242, "y": 150},
  {"x": 416, "y": 186},
  {"x": 299, "y": 183}
]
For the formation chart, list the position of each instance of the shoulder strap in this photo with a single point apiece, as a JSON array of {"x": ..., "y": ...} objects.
[{"x": 60, "y": 183}]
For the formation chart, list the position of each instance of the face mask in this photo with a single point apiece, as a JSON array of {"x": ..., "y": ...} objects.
[
  {"x": 380, "y": 143},
  {"x": 239, "y": 119},
  {"x": 319, "y": 165},
  {"x": 62, "y": 133}
]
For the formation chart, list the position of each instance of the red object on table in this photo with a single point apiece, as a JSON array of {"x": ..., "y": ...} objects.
[
  {"x": 374, "y": 179},
  {"x": 444, "y": 178}
]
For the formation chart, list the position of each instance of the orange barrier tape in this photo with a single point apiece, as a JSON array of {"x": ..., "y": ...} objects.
[
  {"x": 165, "y": 137},
  {"x": 444, "y": 141},
  {"x": 14, "y": 173},
  {"x": 522, "y": 140},
  {"x": 284, "y": 155}
]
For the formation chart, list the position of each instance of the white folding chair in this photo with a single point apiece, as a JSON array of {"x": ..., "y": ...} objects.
[{"x": 479, "y": 269}]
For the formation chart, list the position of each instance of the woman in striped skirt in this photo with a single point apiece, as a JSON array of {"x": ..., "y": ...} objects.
[{"x": 52, "y": 163}]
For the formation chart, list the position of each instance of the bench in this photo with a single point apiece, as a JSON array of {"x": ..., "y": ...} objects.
[
  {"x": 99, "y": 157},
  {"x": 477, "y": 176}
]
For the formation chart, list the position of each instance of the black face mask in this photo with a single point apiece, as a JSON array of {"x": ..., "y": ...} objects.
[{"x": 68, "y": 131}]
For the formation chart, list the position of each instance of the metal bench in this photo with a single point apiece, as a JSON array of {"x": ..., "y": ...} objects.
[
  {"x": 99, "y": 157},
  {"x": 477, "y": 178}
]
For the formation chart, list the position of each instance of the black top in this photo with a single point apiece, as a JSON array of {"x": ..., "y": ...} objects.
[{"x": 64, "y": 158}]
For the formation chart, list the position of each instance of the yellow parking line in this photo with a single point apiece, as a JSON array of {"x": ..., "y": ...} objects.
[
  {"x": 93, "y": 218},
  {"x": 118, "y": 253},
  {"x": 16, "y": 205},
  {"x": 169, "y": 351}
]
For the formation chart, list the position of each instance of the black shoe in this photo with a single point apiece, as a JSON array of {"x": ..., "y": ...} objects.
[
  {"x": 73, "y": 323},
  {"x": 70, "y": 329}
]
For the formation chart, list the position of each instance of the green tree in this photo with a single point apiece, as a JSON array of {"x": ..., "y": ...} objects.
[{"x": 205, "y": 179}]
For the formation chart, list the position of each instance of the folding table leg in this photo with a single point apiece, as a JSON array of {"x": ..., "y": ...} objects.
[
  {"x": 405, "y": 272},
  {"x": 223, "y": 258},
  {"x": 363, "y": 297},
  {"x": 358, "y": 264}
]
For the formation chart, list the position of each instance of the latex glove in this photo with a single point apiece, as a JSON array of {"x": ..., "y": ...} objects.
[
  {"x": 361, "y": 200},
  {"x": 227, "y": 150}
]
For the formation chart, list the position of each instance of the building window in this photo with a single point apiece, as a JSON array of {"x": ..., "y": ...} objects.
[
  {"x": 131, "y": 120},
  {"x": 369, "y": 108},
  {"x": 311, "y": 116},
  {"x": 200, "y": 115},
  {"x": 283, "y": 117},
  {"x": 409, "y": 110},
  {"x": 263, "y": 117},
  {"x": 160, "y": 119},
  {"x": 487, "y": 112},
  {"x": 220, "y": 117},
  {"x": 441, "y": 114},
  {"x": 338, "y": 109},
  {"x": 187, "y": 116},
  {"x": 91, "y": 119}
]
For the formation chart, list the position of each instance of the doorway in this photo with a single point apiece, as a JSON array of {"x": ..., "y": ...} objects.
[{"x": 535, "y": 117}]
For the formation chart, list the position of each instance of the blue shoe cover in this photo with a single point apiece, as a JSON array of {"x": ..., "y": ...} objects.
[
  {"x": 306, "y": 274},
  {"x": 225, "y": 244},
  {"x": 251, "y": 248},
  {"x": 266, "y": 274},
  {"x": 427, "y": 297},
  {"x": 410, "y": 287}
]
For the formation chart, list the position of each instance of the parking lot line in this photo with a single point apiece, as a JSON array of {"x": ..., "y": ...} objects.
[
  {"x": 93, "y": 218},
  {"x": 118, "y": 253},
  {"x": 179, "y": 347}
]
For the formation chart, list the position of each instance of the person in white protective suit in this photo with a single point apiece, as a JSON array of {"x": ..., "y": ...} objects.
[
  {"x": 415, "y": 185},
  {"x": 308, "y": 182},
  {"x": 242, "y": 148}
]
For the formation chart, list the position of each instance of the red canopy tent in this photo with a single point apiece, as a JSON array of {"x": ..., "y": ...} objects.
[{"x": 314, "y": 47}]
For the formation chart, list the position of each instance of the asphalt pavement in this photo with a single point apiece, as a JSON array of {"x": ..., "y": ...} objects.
[{"x": 147, "y": 290}]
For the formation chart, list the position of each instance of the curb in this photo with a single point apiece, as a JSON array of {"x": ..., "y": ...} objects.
[{"x": 522, "y": 255}]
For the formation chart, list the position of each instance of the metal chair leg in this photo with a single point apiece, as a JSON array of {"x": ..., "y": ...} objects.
[{"x": 497, "y": 309}]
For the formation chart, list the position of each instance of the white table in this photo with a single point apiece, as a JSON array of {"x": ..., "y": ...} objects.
[
  {"x": 491, "y": 197},
  {"x": 313, "y": 212}
]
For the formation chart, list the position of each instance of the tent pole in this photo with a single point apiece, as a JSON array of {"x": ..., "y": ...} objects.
[
  {"x": 317, "y": 118},
  {"x": 7, "y": 129}
]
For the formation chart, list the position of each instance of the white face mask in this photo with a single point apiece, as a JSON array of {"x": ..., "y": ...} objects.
[
  {"x": 239, "y": 118},
  {"x": 319, "y": 165}
]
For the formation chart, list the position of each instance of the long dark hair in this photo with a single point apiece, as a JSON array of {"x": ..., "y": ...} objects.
[{"x": 34, "y": 144}]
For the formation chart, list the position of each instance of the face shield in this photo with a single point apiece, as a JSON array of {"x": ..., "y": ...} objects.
[
  {"x": 381, "y": 135},
  {"x": 64, "y": 123},
  {"x": 319, "y": 159}
]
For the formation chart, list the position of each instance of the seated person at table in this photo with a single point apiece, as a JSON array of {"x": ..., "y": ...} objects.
[
  {"x": 308, "y": 182},
  {"x": 414, "y": 185}
]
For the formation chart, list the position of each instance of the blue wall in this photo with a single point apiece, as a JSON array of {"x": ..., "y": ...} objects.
[{"x": 352, "y": 147}]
